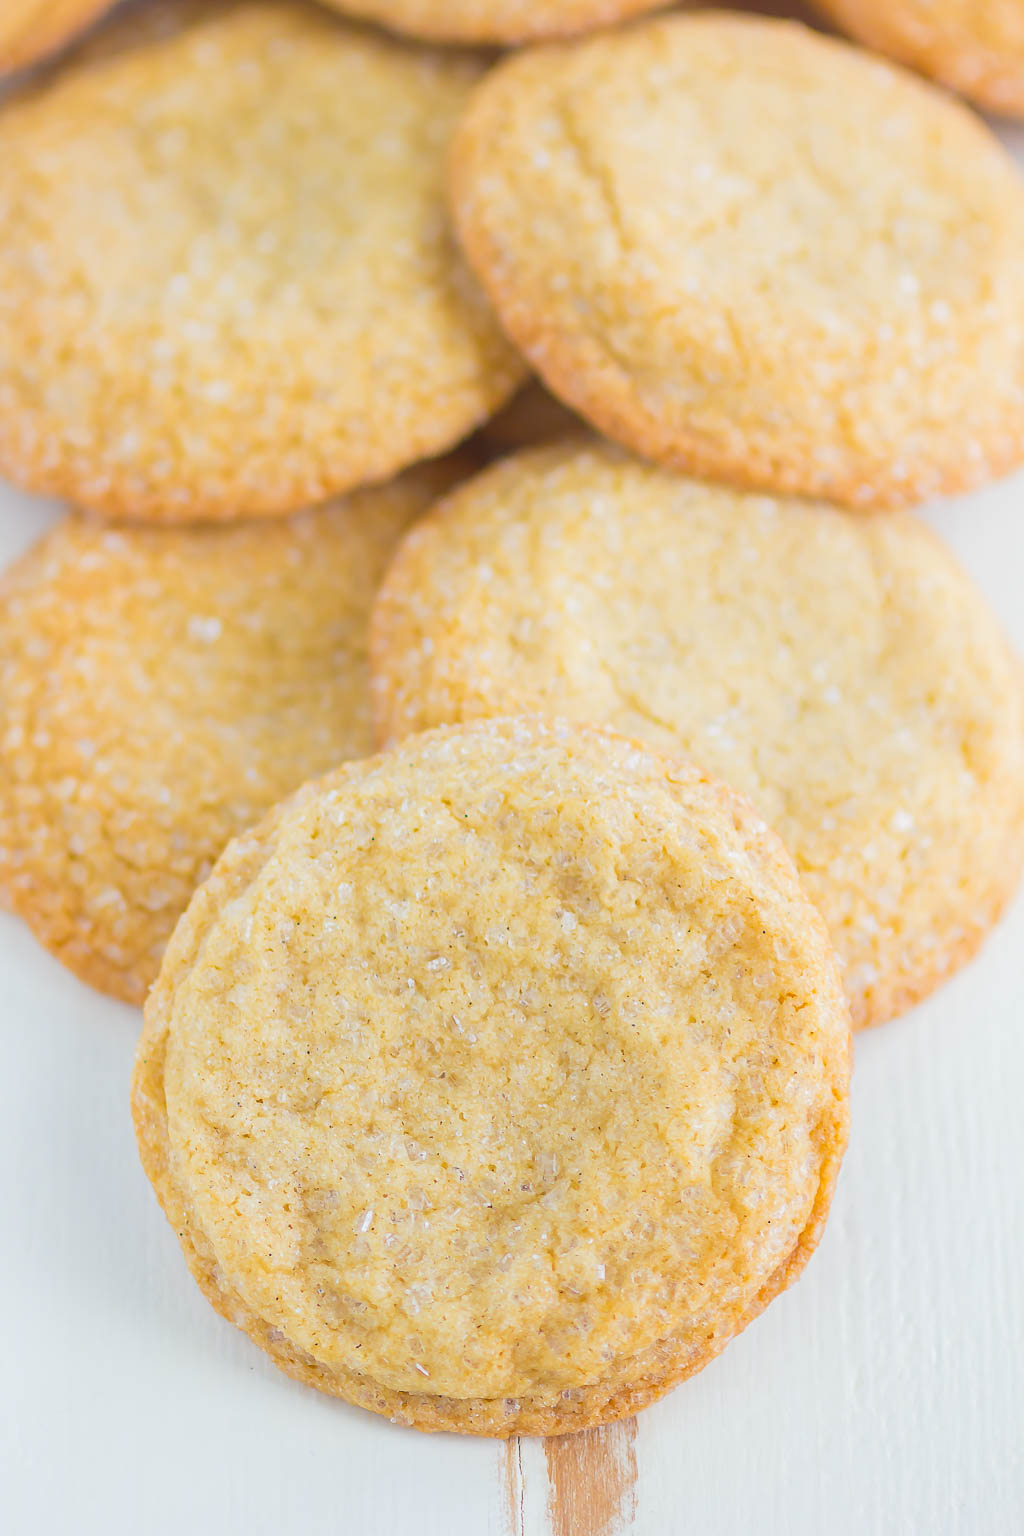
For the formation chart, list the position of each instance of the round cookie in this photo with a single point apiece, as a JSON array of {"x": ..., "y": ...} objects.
[
  {"x": 30, "y": 29},
  {"x": 841, "y": 671},
  {"x": 493, "y": 21},
  {"x": 159, "y": 689},
  {"x": 974, "y": 46},
  {"x": 494, "y": 1083},
  {"x": 751, "y": 252},
  {"x": 199, "y": 312}
]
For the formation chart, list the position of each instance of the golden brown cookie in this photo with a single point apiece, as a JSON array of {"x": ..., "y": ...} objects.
[
  {"x": 974, "y": 46},
  {"x": 516, "y": 21},
  {"x": 495, "y": 1083},
  {"x": 30, "y": 29},
  {"x": 493, "y": 21},
  {"x": 159, "y": 689},
  {"x": 227, "y": 280},
  {"x": 841, "y": 671},
  {"x": 752, "y": 252}
]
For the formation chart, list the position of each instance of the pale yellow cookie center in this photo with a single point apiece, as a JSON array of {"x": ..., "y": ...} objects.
[
  {"x": 840, "y": 671},
  {"x": 484, "y": 1094},
  {"x": 704, "y": 223},
  {"x": 235, "y": 289},
  {"x": 748, "y": 251}
]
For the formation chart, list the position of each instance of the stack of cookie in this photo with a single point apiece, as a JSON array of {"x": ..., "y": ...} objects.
[{"x": 495, "y": 1081}]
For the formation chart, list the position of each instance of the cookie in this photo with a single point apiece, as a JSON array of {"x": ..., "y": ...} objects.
[
  {"x": 493, "y": 21},
  {"x": 974, "y": 46},
  {"x": 30, "y": 29},
  {"x": 841, "y": 671},
  {"x": 198, "y": 313},
  {"x": 160, "y": 688},
  {"x": 532, "y": 416},
  {"x": 494, "y": 1083},
  {"x": 751, "y": 252}
]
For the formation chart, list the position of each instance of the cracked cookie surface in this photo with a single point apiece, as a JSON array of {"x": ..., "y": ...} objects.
[
  {"x": 975, "y": 47},
  {"x": 200, "y": 314},
  {"x": 159, "y": 689},
  {"x": 494, "y": 1083},
  {"x": 754, "y": 253},
  {"x": 841, "y": 671}
]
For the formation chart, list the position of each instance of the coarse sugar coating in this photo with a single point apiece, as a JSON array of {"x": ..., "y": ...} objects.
[
  {"x": 30, "y": 29},
  {"x": 841, "y": 671},
  {"x": 494, "y": 1083},
  {"x": 973, "y": 46},
  {"x": 160, "y": 688},
  {"x": 493, "y": 21},
  {"x": 754, "y": 253},
  {"x": 229, "y": 284}
]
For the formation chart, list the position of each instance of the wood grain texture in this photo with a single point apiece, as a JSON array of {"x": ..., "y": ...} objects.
[
  {"x": 512, "y": 1483},
  {"x": 590, "y": 1477},
  {"x": 592, "y": 1480}
]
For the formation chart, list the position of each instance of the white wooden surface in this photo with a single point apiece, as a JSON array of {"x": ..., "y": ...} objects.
[{"x": 884, "y": 1394}]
